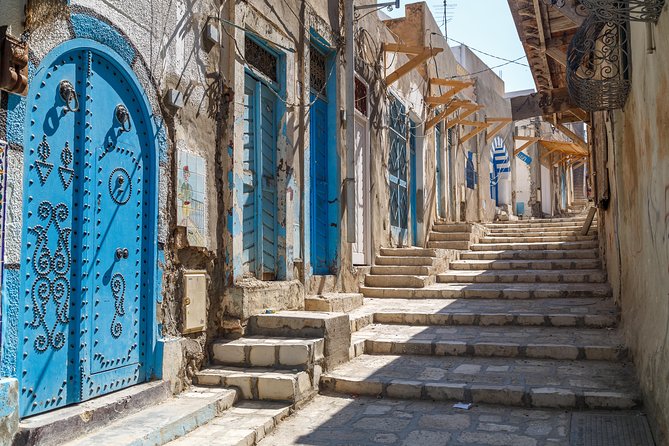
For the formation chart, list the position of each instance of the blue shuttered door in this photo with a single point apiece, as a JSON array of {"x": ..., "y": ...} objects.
[
  {"x": 414, "y": 184},
  {"x": 259, "y": 195},
  {"x": 86, "y": 272},
  {"x": 321, "y": 258},
  {"x": 397, "y": 167},
  {"x": 440, "y": 184}
]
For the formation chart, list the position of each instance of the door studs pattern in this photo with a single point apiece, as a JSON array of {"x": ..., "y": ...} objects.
[
  {"x": 118, "y": 291},
  {"x": 65, "y": 172},
  {"x": 46, "y": 289},
  {"x": 43, "y": 167},
  {"x": 120, "y": 186}
]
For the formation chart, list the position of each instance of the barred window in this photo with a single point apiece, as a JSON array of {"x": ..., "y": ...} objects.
[
  {"x": 361, "y": 96},
  {"x": 317, "y": 71},
  {"x": 261, "y": 59}
]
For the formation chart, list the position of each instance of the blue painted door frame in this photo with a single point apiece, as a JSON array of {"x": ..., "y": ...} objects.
[
  {"x": 414, "y": 183},
  {"x": 259, "y": 196},
  {"x": 324, "y": 170},
  {"x": 86, "y": 323},
  {"x": 438, "y": 144}
]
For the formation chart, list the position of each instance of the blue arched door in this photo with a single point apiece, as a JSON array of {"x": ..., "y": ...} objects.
[{"x": 89, "y": 217}]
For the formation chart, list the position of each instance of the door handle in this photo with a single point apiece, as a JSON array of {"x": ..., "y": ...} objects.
[
  {"x": 67, "y": 94},
  {"x": 121, "y": 253}
]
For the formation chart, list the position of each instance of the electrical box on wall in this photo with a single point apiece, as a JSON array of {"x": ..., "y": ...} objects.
[{"x": 194, "y": 302}]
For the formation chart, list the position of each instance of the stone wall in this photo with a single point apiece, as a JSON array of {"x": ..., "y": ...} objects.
[{"x": 635, "y": 224}]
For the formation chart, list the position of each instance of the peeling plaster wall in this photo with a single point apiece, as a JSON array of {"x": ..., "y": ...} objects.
[{"x": 636, "y": 224}]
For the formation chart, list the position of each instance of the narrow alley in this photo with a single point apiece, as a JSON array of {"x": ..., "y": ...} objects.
[{"x": 334, "y": 223}]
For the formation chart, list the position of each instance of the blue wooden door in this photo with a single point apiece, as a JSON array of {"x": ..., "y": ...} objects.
[
  {"x": 397, "y": 168},
  {"x": 322, "y": 258},
  {"x": 88, "y": 232},
  {"x": 440, "y": 182},
  {"x": 259, "y": 196},
  {"x": 414, "y": 183}
]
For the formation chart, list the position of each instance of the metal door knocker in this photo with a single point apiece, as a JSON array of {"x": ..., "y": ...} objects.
[
  {"x": 68, "y": 95},
  {"x": 121, "y": 253},
  {"x": 123, "y": 117}
]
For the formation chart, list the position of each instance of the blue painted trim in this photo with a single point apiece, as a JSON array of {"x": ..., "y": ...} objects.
[
  {"x": 89, "y": 27},
  {"x": 414, "y": 184},
  {"x": 122, "y": 62}
]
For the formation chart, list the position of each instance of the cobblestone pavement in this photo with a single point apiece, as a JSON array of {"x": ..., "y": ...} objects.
[{"x": 347, "y": 421}]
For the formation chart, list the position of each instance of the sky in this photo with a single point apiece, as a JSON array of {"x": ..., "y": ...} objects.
[{"x": 484, "y": 25}]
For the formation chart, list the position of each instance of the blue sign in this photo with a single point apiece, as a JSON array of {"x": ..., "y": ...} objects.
[{"x": 526, "y": 158}]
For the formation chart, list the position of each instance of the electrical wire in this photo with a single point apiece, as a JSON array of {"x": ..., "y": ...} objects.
[{"x": 488, "y": 54}]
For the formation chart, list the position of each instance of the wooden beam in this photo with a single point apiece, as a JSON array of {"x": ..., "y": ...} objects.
[
  {"x": 412, "y": 63},
  {"x": 574, "y": 137},
  {"x": 465, "y": 114},
  {"x": 501, "y": 123},
  {"x": 545, "y": 155},
  {"x": 450, "y": 82},
  {"x": 572, "y": 11},
  {"x": 529, "y": 140},
  {"x": 402, "y": 48},
  {"x": 541, "y": 104},
  {"x": 558, "y": 55},
  {"x": 452, "y": 108},
  {"x": 478, "y": 128},
  {"x": 456, "y": 87}
]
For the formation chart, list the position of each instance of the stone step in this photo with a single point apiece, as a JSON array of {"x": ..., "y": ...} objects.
[
  {"x": 452, "y": 227},
  {"x": 333, "y": 302},
  {"x": 404, "y": 260},
  {"x": 538, "y": 232},
  {"x": 159, "y": 424},
  {"x": 260, "y": 351},
  {"x": 461, "y": 245},
  {"x": 244, "y": 424},
  {"x": 398, "y": 281},
  {"x": 537, "y": 224},
  {"x": 496, "y": 341},
  {"x": 466, "y": 265},
  {"x": 410, "y": 252},
  {"x": 264, "y": 384},
  {"x": 524, "y": 276},
  {"x": 492, "y": 291},
  {"x": 564, "y": 312},
  {"x": 531, "y": 254},
  {"x": 335, "y": 328},
  {"x": 575, "y": 219},
  {"x": 511, "y": 382},
  {"x": 537, "y": 239},
  {"x": 591, "y": 244},
  {"x": 68, "y": 423},
  {"x": 400, "y": 270},
  {"x": 449, "y": 236}
]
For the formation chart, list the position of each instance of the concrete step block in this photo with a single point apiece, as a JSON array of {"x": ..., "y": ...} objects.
[
  {"x": 403, "y": 261},
  {"x": 517, "y": 265},
  {"x": 449, "y": 236},
  {"x": 278, "y": 352},
  {"x": 537, "y": 239},
  {"x": 457, "y": 245},
  {"x": 533, "y": 246},
  {"x": 62, "y": 425},
  {"x": 333, "y": 302},
  {"x": 244, "y": 424},
  {"x": 398, "y": 281},
  {"x": 262, "y": 383},
  {"x": 536, "y": 254},
  {"x": 335, "y": 328},
  {"x": 495, "y": 341},
  {"x": 391, "y": 270},
  {"x": 511, "y": 382},
  {"x": 524, "y": 276},
  {"x": 410, "y": 252},
  {"x": 159, "y": 424},
  {"x": 452, "y": 227},
  {"x": 492, "y": 291}
]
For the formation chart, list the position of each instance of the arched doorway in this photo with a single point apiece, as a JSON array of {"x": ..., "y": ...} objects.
[{"x": 89, "y": 248}]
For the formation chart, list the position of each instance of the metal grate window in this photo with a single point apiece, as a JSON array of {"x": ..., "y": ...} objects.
[
  {"x": 317, "y": 71},
  {"x": 470, "y": 171},
  {"x": 397, "y": 165},
  {"x": 361, "y": 96},
  {"x": 261, "y": 59}
]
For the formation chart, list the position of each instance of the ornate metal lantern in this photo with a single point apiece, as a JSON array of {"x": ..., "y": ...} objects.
[
  {"x": 598, "y": 74},
  {"x": 622, "y": 11}
]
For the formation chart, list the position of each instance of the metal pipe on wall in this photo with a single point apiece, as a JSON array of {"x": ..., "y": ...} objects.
[{"x": 349, "y": 182}]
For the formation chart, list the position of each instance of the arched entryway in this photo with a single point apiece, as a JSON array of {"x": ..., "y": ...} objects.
[{"x": 88, "y": 256}]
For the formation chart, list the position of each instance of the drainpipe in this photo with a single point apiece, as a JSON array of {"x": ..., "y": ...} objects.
[{"x": 349, "y": 182}]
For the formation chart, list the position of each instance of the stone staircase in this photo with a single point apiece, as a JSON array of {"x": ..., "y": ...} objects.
[
  {"x": 460, "y": 236},
  {"x": 523, "y": 318}
]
